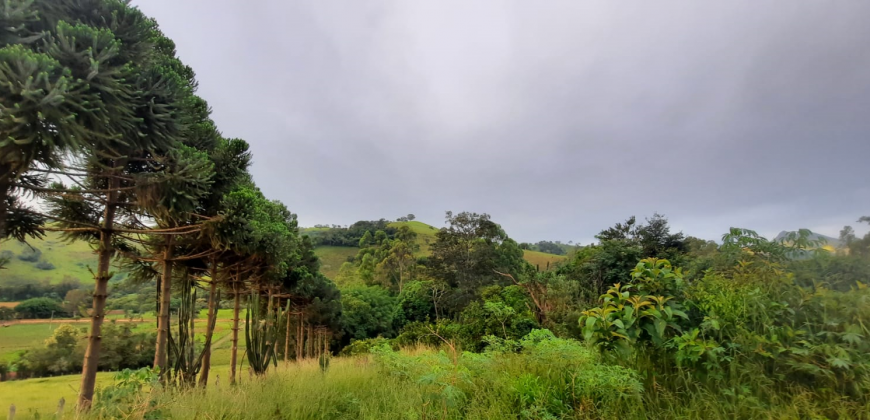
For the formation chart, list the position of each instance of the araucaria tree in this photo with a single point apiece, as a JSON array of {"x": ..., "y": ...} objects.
[{"x": 91, "y": 94}]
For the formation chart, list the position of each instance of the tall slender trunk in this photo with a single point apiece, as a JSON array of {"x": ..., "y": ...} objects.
[
  {"x": 310, "y": 340},
  {"x": 299, "y": 337},
  {"x": 105, "y": 252},
  {"x": 287, "y": 338},
  {"x": 160, "y": 353},
  {"x": 190, "y": 375},
  {"x": 5, "y": 186},
  {"x": 212, "y": 312},
  {"x": 235, "y": 347}
]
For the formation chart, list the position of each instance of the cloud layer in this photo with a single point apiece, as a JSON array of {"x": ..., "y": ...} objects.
[{"x": 557, "y": 118}]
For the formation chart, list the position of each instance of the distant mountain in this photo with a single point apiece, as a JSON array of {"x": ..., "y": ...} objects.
[{"x": 834, "y": 242}]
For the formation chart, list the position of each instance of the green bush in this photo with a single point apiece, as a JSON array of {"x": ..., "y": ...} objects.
[
  {"x": 44, "y": 265},
  {"x": 361, "y": 347},
  {"x": 30, "y": 254},
  {"x": 63, "y": 352},
  {"x": 752, "y": 320},
  {"x": 39, "y": 308},
  {"x": 541, "y": 376}
]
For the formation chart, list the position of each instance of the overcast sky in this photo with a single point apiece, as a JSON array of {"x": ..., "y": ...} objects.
[{"x": 558, "y": 118}]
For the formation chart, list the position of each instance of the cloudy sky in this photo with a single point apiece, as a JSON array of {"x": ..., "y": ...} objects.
[{"x": 558, "y": 118}]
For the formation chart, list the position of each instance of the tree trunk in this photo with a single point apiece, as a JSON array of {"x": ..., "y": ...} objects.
[
  {"x": 212, "y": 312},
  {"x": 299, "y": 337},
  {"x": 190, "y": 375},
  {"x": 5, "y": 184},
  {"x": 287, "y": 338},
  {"x": 160, "y": 354},
  {"x": 310, "y": 340},
  {"x": 235, "y": 347},
  {"x": 105, "y": 253}
]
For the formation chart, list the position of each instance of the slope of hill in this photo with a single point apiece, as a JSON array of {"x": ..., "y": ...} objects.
[
  {"x": 542, "y": 260},
  {"x": 49, "y": 259},
  {"x": 425, "y": 234},
  {"x": 332, "y": 257}
]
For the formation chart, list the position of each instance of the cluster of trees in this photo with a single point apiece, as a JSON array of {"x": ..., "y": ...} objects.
[
  {"x": 390, "y": 288},
  {"x": 16, "y": 290},
  {"x": 37, "y": 308},
  {"x": 63, "y": 352},
  {"x": 100, "y": 122},
  {"x": 350, "y": 235},
  {"x": 409, "y": 218},
  {"x": 557, "y": 247}
]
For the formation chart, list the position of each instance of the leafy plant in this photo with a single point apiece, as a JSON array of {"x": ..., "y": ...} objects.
[
  {"x": 124, "y": 396},
  {"x": 625, "y": 320}
]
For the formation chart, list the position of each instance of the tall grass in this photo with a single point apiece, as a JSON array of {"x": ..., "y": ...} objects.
[
  {"x": 503, "y": 386},
  {"x": 350, "y": 389}
]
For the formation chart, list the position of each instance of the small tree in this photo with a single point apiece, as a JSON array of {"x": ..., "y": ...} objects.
[{"x": 39, "y": 308}]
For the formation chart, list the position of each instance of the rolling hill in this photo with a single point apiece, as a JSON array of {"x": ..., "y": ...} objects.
[
  {"x": 52, "y": 259},
  {"x": 49, "y": 259},
  {"x": 331, "y": 257}
]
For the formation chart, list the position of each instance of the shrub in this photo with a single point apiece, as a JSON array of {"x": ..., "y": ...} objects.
[
  {"x": 541, "y": 376},
  {"x": 119, "y": 399},
  {"x": 45, "y": 265},
  {"x": 30, "y": 254},
  {"x": 63, "y": 352},
  {"x": 360, "y": 347},
  {"x": 37, "y": 308},
  {"x": 6, "y": 314}
]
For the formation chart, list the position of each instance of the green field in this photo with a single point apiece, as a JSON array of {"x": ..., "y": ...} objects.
[
  {"x": 332, "y": 257},
  {"x": 42, "y": 395},
  {"x": 17, "y": 337},
  {"x": 70, "y": 259},
  {"x": 541, "y": 259}
]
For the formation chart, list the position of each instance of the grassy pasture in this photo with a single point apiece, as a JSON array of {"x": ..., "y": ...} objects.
[
  {"x": 425, "y": 234},
  {"x": 69, "y": 259},
  {"x": 541, "y": 259},
  {"x": 332, "y": 257},
  {"x": 18, "y": 337},
  {"x": 40, "y": 395}
]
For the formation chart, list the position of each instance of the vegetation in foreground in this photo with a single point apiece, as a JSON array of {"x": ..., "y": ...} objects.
[{"x": 537, "y": 377}]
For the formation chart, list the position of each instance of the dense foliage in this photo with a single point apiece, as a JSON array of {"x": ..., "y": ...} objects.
[{"x": 62, "y": 353}]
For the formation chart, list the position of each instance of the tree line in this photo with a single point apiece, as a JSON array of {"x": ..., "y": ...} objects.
[{"x": 103, "y": 138}]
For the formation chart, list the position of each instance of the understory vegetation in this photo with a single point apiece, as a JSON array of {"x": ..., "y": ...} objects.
[{"x": 746, "y": 337}]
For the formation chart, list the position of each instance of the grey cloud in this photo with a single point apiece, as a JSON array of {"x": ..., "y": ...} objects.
[{"x": 558, "y": 118}]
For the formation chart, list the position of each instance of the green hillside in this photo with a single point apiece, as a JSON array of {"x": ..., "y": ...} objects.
[
  {"x": 332, "y": 257},
  {"x": 542, "y": 260},
  {"x": 425, "y": 234},
  {"x": 73, "y": 259},
  {"x": 49, "y": 259}
]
